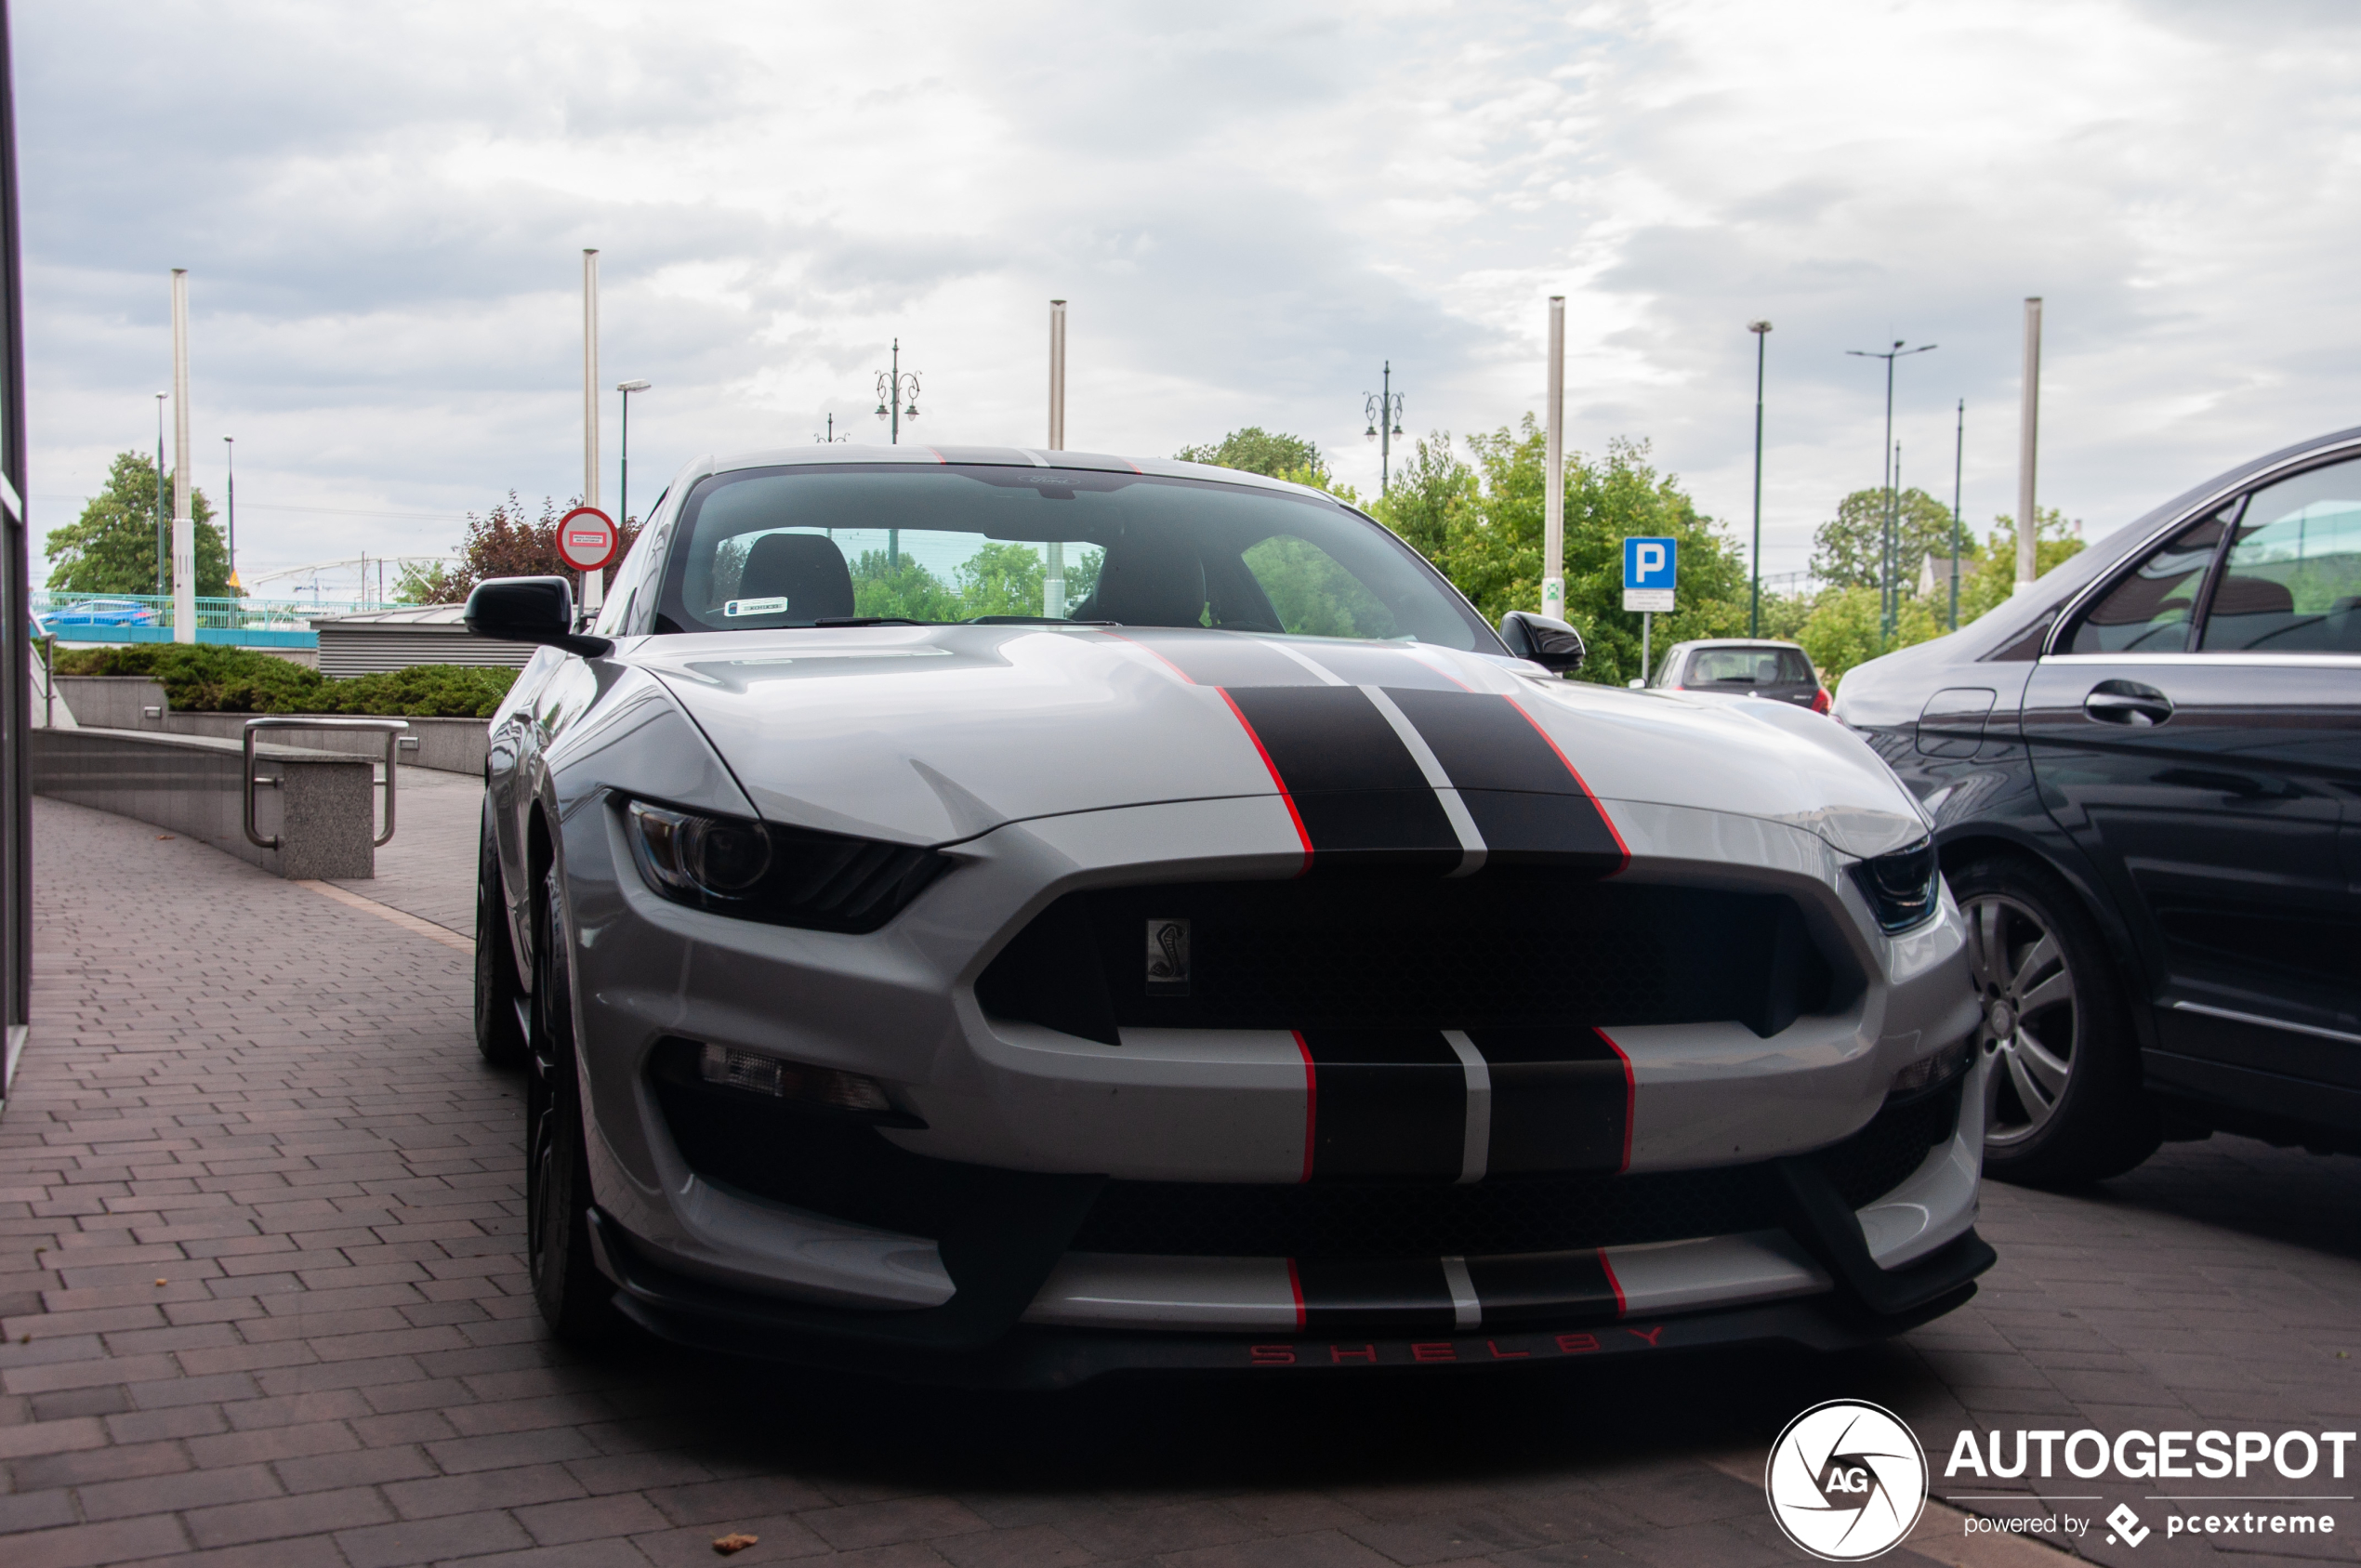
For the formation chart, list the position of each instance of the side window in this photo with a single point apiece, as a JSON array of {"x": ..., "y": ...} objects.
[
  {"x": 2292, "y": 580},
  {"x": 2151, "y": 610}
]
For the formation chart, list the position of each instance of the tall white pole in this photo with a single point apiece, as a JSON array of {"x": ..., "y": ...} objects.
[
  {"x": 1554, "y": 534},
  {"x": 593, "y": 583},
  {"x": 184, "y": 521},
  {"x": 1054, "y": 584},
  {"x": 2028, "y": 440}
]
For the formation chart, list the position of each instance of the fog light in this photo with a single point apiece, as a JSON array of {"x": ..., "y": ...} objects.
[
  {"x": 1925, "y": 1073},
  {"x": 758, "y": 1073}
]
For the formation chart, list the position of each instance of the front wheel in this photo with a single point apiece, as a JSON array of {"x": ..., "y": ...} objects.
[
  {"x": 2067, "y": 1104},
  {"x": 575, "y": 1300},
  {"x": 499, "y": 1029}
]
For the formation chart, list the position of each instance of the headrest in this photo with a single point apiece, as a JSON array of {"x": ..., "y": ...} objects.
[
  {"x": 1152, "y": 577},
  {"x": 2252, "y": 596},
  {"x": 806, "y": 570}
]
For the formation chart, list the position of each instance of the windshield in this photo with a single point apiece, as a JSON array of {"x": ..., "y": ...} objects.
[{"x": 800, "y": 546}]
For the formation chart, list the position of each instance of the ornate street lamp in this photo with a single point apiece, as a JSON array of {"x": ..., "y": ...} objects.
[
  {"x": 897, "y": 396},
  {"x": 1384, "y": 412}
]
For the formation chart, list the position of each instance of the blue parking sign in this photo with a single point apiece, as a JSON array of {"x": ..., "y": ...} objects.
[{"x": 1651, "y": 572}]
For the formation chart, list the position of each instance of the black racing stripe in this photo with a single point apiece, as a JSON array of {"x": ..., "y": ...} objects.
[
  {"x": 1363, "y": 800},
  {"x": 1388, "y": 1103},
  {"x": 1564, "y": 830},
  {"x": 1373, "y": 1295},
  {"x": 1218, "y": 658},
  {"x": 1485, "y": 742},
  {"x": 1524, "y": 1287},
  {"x": 1560, "y": 1101},
  {"x": 1523, "y": 798}
]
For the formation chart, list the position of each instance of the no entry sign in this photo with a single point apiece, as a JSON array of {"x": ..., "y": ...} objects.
[{"x": 586, "y": 538}]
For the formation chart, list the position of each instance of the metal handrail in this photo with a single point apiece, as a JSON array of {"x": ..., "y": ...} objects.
[{"x": 392, "y": 728}]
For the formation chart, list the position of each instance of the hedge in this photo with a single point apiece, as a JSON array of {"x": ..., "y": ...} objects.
[{"x": 207, "y": 678}]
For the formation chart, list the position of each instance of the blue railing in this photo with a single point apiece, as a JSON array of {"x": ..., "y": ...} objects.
[{"x": 250, "y": 623}]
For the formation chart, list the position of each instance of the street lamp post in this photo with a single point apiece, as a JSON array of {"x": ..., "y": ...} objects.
[
  {"x": 897, "y": 396},
  {"x": 623, "y": 489},
  {"x": 160, "y": 514},
  {"x": 1384, "y": 412},
  {"x": 1885, "y": 455},
  {"x": 831, "y": 438},
  {"x": 229, "y": 457},
  {"x": 1761, "y": 331},
  {"x": 1959, "y": 457}
]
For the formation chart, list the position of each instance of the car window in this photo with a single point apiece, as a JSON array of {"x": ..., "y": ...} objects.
[
  {"x": 1747, "y": 666},
  {"x": 2292, "y": 580},
  {"x": 2150, "y": 611},
  {"x": 790, "y": 547}
]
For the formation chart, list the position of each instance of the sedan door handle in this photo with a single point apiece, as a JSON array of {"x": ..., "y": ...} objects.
[{"x": 2126, "y": 703}]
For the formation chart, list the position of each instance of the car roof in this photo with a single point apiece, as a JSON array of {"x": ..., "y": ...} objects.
[
  {"x": 844, "y": 454},
  {"x": 1735, "y": 642}
]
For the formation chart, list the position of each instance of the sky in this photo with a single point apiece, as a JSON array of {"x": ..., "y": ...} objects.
[{"x": 1252, "y": 208}]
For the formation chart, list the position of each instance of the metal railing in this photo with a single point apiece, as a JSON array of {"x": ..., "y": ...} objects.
[
  {"x": 392, "y": 728},
  {"x": 219, "y": 615}
]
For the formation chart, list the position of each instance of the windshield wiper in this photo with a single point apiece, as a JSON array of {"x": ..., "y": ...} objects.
[
  {"x": 1035, "y": 621},
  {"x": 871, "y": 621}
]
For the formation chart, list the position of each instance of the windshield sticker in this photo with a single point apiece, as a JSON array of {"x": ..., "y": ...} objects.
[{"x": 755, "y": 607}]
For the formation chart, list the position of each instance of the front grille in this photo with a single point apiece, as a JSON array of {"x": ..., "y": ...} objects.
[
  {"x": 1535, "y": 1214},
  {"x": 1510, "y": 949}
]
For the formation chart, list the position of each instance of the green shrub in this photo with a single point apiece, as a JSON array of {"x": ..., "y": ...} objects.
[{"x": 209, "y": 678}]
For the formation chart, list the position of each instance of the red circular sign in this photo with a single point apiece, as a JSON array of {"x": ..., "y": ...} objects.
[{"x": 586, "y": 538}]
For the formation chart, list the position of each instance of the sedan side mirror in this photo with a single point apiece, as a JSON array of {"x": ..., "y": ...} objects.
[
  {"x": 1551, "y": 644},
  {"x": 530, "y": 610}
]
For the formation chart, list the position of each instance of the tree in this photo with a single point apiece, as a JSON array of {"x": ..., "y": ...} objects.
[
  {"x": 1259, "y": 451},
  {"x": 112, "y": 547},
  {"x": 1426, "y": 488},
  {"x": 1848, "y": 553},
  {"x": 1493, "y": 538},
  {"x": 505, "y": 543},
  {"x": 1994, "y": 579}
]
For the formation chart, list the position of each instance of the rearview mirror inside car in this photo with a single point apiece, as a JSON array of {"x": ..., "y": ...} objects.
[
  {"x": 1551, "y": 644},
  {"x": 530, "y": 610}
]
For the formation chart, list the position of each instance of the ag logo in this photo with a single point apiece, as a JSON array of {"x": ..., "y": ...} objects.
[{"x": 1846, "y": 1480}]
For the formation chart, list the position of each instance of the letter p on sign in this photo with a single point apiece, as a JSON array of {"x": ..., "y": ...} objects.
[{"x": 1651, "y": 572}]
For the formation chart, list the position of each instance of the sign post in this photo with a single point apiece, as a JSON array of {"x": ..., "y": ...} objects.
[
  {"x": 586, "y": 538},
  {"x": 1651, "y": 572}
]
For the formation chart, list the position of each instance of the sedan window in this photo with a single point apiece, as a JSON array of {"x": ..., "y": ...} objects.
[
  {"x": 1747, "y": 666},
  {"x": 2292, "y": 581},
  {"x": 2151, "y": 610}
]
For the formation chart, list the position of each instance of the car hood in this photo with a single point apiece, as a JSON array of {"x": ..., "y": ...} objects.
[{"x": 931, "y": 734}]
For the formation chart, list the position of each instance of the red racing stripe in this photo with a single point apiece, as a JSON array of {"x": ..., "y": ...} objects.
[
  {"x": 1293, "y": 815},
  {"x": 1580, "y": 781},
  {"x": 1630, "y": 1104},
  {"x": 1311, "y": 1133},
  {"x": 1608, "y": 1269},
  {"x": 1294, "y": 1283}
]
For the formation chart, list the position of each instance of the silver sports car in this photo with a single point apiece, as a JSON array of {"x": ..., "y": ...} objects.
[{"x": 1003, "y": 916}]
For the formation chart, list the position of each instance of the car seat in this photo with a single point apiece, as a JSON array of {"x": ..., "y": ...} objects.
[
  {"x": 1148, "y": 578},
  {"x": 806, "y": 570}
]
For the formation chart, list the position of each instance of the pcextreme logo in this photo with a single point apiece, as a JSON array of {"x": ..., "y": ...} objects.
[{"x": 1846, "y": 1480}]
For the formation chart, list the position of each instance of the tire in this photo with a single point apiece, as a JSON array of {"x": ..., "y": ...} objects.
[
  {"x": 575, "y": 1300},
  {"x": 500, "y": 1033},
  {"x": 2065, "y": 1104}
]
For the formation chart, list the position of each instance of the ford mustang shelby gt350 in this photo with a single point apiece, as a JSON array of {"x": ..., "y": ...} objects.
[{"x": 1007, "y": 915}]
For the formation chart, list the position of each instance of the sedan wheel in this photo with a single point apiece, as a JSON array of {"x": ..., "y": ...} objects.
[
  {"x": 2028, "y": 995},
  {"x": 2065, "y": 1102}
]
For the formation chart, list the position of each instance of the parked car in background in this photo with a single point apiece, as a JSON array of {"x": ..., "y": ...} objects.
[
  {"x": 1010, "y": 916},
  {"x": 1744, "y": 668},
  {"x": 2145, "y": 776},
  {"x": 101, "y": 612}
]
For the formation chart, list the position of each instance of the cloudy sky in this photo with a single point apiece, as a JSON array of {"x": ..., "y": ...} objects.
[{"x": 1251, "y": 206}]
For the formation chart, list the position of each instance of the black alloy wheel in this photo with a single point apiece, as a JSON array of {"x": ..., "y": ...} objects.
[
  {"x": 575, "y": 1300},
  {"x": 499, "y": 1029},
  {"x": 2065, "y": 1103}
]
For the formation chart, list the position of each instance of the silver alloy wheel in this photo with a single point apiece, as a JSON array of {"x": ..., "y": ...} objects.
[{"x": 2031, "y": 1014}]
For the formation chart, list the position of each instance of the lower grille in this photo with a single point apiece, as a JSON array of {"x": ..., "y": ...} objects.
[{"x": 1540, "y": 1214}]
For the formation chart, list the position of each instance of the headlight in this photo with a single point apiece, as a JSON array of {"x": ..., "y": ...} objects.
[
  {"x": 1901, "y": 886},
  {"x": 783, "y": 875}
]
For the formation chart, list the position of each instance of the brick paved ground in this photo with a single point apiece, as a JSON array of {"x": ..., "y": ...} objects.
[
  {"x": 428, "y": 869},
  {"x": 268, "y": 1102}
]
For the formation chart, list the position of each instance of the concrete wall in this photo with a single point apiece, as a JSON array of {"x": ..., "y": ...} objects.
[
  {"x": 323, "y": 811},
  {"x": 120, "y": 702}
]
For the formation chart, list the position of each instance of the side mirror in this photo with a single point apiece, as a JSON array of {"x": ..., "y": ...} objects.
[
  {"x": 530, "y": 610},
  {"x": 1551, "y": 644}
]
